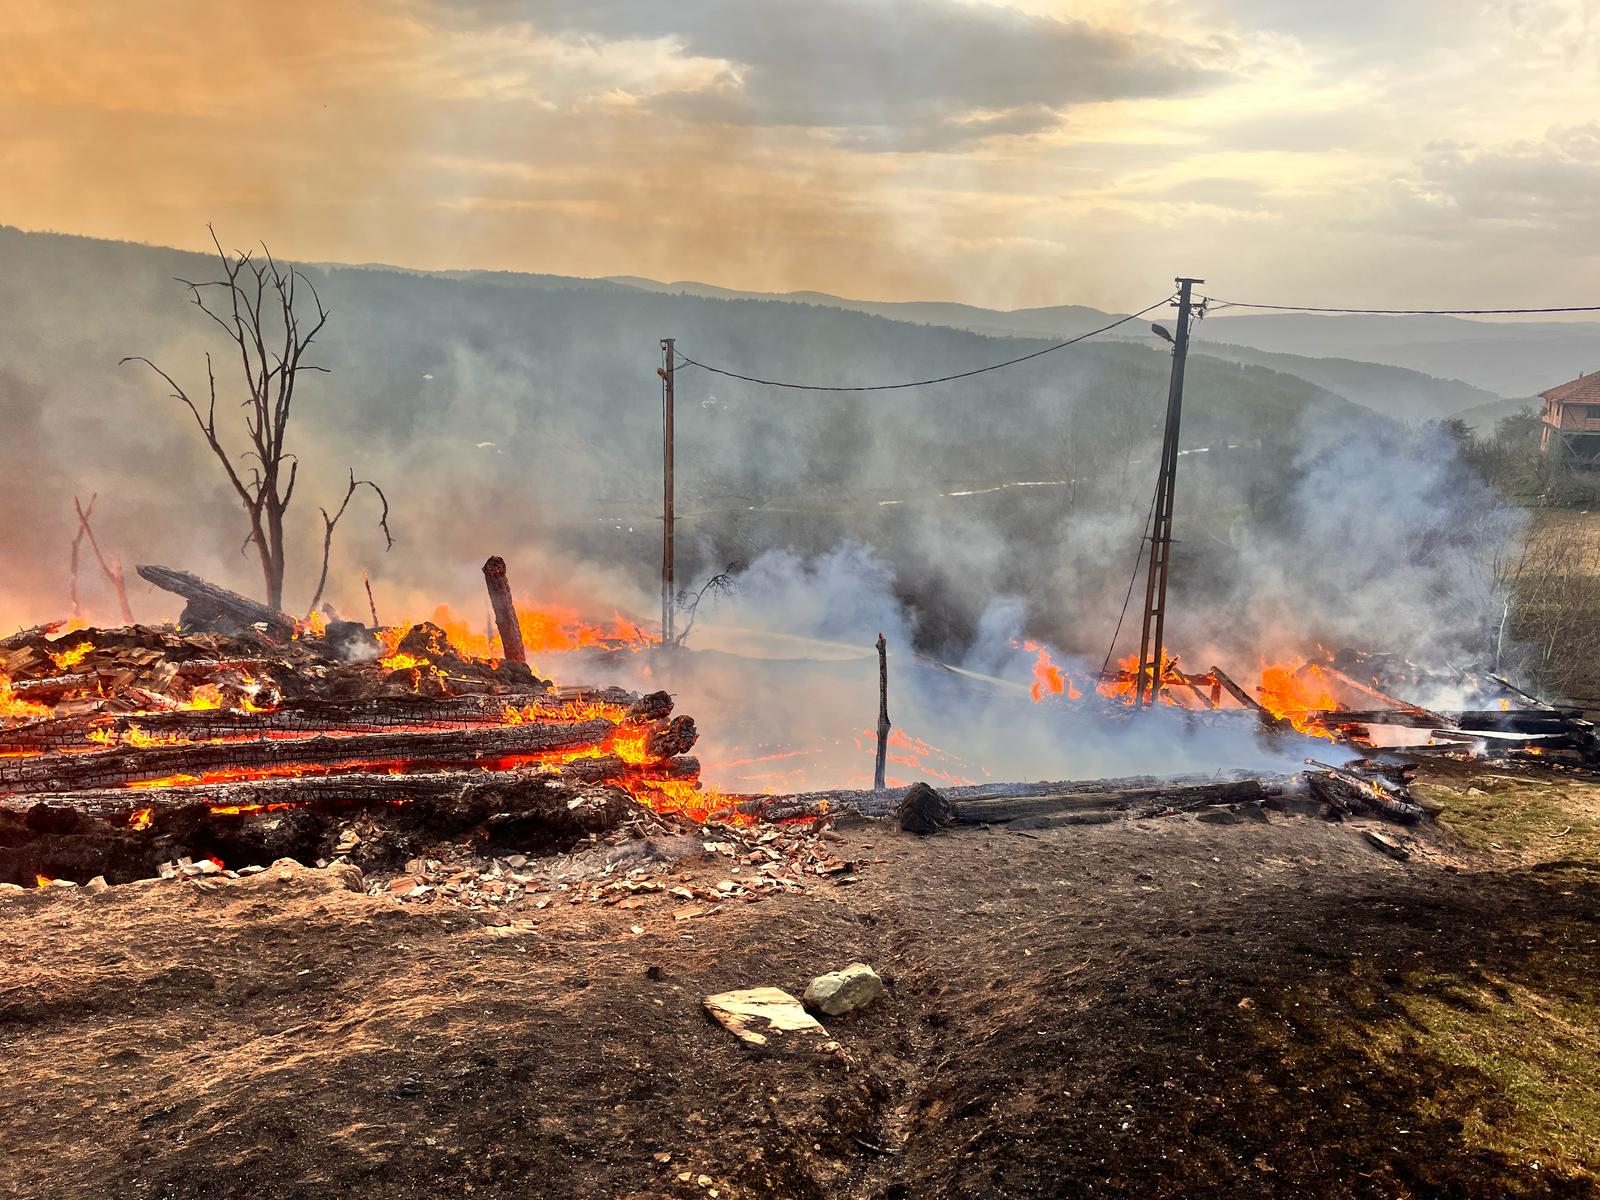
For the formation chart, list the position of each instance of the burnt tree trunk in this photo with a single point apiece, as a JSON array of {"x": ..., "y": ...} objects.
[
  {"x": 505, "y": 612},
  {"x": 210, "y": 598}
]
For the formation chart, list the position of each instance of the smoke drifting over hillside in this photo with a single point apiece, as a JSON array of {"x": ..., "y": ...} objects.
[{"x": 521, "y": 417}]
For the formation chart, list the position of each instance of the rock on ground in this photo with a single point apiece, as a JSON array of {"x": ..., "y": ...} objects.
[{"x": 841, "y": 992}]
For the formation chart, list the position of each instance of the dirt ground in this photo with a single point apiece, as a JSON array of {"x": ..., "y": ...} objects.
[{"x": 1167, "y": 1007}]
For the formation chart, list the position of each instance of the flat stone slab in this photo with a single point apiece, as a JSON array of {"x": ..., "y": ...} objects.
[{"x": 750, "y": 1014}]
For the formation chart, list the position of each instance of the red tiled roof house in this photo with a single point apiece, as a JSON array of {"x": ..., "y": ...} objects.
[{"x": 1571, "y": 421}]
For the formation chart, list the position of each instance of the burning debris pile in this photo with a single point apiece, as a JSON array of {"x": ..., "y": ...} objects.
[
  {"x": 1354, "y": 698},
  {"x": 122, "y": 749}
]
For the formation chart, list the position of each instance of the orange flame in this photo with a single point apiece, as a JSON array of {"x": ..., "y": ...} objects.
[
  {"x": 1048, "y": 679},
  {"x": 68, "y": 659},
  {"x": 1295, "y": 691},
  {"x": 17, "y": 709},
  {"x": 205, "y": 698},
  {"x": 547, "y": 629},
  {"x": 141, "y": 819}
]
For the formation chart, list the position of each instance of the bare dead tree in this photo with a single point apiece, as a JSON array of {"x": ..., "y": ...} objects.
[
  {"x": 722, "y": 583},
  {"x": 111, "y": 568},
  {"x": 328, "y": 524},
  {"x": 262, "y": 311}
]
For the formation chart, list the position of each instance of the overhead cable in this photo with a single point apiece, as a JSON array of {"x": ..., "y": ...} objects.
[{"x": 889, "y": 387}]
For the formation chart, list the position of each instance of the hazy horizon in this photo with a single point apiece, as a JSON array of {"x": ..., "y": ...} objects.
[{"x": 998, "y": 154}]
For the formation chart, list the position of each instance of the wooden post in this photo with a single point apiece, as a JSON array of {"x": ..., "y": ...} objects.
[
  {"x": 1147, "y": 687},
  {"x": 667, "y": 566},
  {"x": 883, "y": 713},
  {"x": 505, "y": 613}
]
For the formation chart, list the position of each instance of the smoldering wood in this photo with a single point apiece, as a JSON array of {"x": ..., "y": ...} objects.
[
  {"x": 1060, "y": 795},
  {"x": 1488, "y": 720},
  {"x": 354, "y": 790},
  {"x": 454, "y": 747},
  {"x": 1243, "y": 697},
  {"x": 1369, "y": 793},
  {"x": 652, "y": 706},
  {"x": 665, "y": 739},
  {"x": 1368, "y": 689},
  {"x": 54, "y": 687},
  {"x": 316, "y": 716},
  {"x": 505, "y": 612},
  {"x": 210, "y": 596},
  {"x": 1492, "y": 740},
  {"x": 35, "y": 633}
]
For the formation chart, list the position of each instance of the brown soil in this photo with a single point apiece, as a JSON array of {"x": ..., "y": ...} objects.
[{"x": 1171, "y": 1007}]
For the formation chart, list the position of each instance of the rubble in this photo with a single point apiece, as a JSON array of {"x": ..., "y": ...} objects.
[{"x": 146, "y": 750}]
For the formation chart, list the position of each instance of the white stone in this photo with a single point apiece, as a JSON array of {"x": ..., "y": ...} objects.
[{"x": 840, "y": 992}]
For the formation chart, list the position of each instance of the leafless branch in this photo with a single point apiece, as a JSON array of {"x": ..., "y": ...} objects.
[{"x": 328, "y": 524}]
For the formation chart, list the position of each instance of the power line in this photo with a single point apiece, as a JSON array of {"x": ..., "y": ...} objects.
[
  {"x": 1138, "y": 557},
  {"x": 890, "y": 387},
  {"x": 1214, "y": 305}
]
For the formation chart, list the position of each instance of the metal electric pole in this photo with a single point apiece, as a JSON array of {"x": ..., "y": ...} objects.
[
  {"x": 665, "y": 372},
  {"x": 1147, "y": 686}
]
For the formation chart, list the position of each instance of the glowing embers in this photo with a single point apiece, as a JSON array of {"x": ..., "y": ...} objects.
[
  {"x": 136, "y": 737},
  {"x": 564, "y": 711}
]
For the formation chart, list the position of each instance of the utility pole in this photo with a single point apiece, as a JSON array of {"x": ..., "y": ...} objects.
[
  {"x": 665, "y": 372},
  {"x": 1147, "y": 686}
]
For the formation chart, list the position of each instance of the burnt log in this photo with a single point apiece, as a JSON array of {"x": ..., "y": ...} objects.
[
  {"x": 1487, "y": 720},
  {"x": 505, "y": 612},
  {"x": 669, "y": 738},
  {"x": 37, "y": 633},
  {"x": 156, "y": 807},
  {"x": 923, "y": 810},
  {"x": 453, "y": 747},
  {"x": 47, "y": 691},
  {"x": 1245, "y": 698},
  {"x": 208, "y": 599},
  {"x": 652, "y": 706},
  {"x": 1363, "y": 793},
  {"x": 375, "y": 714}
]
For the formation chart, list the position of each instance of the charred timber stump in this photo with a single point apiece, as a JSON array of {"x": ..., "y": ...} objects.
[
  {"x": 209, "y": 598},
  {"x": 923, "y": 810},
  {"x": 505, "y": 612}
]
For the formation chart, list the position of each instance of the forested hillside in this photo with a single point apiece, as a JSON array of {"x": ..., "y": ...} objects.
[{"x": 525, "y": 420}]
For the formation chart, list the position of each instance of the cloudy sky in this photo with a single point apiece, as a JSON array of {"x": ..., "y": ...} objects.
[{"x": 1416, "y": 152}]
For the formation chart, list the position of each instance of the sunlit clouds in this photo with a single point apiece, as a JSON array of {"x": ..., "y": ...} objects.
[{"x": 999, "y": 153}]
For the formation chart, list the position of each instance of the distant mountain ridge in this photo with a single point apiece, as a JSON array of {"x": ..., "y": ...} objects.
[{"x": 1399, "y": 392}]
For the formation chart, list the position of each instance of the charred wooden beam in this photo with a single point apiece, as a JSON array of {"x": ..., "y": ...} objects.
[
  {"x": 1367, "y": 792},
  {"x": 148, "y": 809},
  {"x": 212, "y": 598},
  {"x": 46, "y": 691},
  {"x": 1488, "y": 720},
  {"x": 37, "y": 633},
  {"x": 455, "y": 747},
  {"x": 1244, "y": 698},
  {"x": 505, "y": 612}
]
